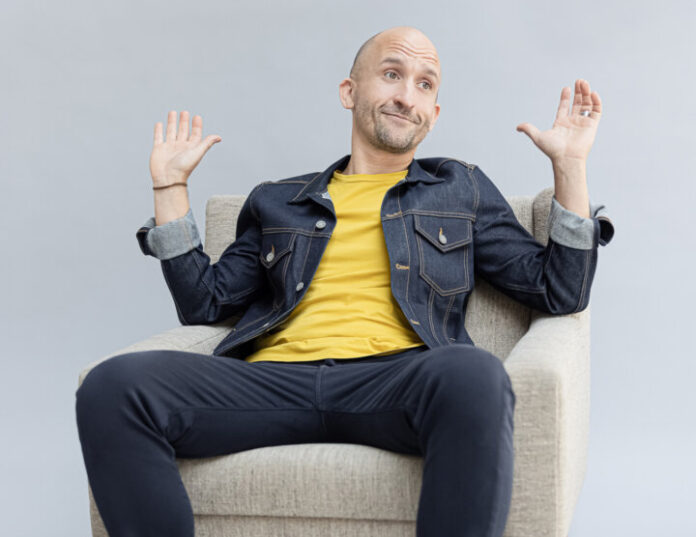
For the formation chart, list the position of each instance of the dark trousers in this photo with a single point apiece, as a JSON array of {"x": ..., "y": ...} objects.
[{"x": 453, "y": 405}]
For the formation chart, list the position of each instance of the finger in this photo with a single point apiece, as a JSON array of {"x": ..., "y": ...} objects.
[
  {"x": 586, "y": 98},
  {"x": 171, "y": 126},
  {"x": 182, "y": 136},
  {"x": 564, "y": 105},
  {"x": 577, "y": 99},
  {"x": 196, "y": 128},
  {"x": 596, "y": 104},
  {"x": 158, "y": 133}
]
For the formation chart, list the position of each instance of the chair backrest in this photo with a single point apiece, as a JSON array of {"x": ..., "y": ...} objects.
[{"x": 494, "y": 321}]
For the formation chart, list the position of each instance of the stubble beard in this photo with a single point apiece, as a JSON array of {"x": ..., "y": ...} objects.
[{"x": 384, "y": 136}]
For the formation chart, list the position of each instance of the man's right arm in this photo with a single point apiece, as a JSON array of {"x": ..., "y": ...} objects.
[{"x": 203, "y": 293}]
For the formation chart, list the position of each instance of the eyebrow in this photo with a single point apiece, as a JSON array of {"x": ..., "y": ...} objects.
[{"x": 399, "y": 61}]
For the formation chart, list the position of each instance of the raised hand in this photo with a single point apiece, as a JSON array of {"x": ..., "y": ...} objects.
[
  {"x": 173, "y": 159},
  {"x": 572, "y": 134}
]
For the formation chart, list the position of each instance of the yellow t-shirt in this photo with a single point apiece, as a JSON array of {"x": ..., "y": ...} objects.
[{"x": 348, "y": 309}]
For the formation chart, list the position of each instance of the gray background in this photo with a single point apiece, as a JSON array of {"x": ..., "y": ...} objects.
[{"x": 82, "y": 85}]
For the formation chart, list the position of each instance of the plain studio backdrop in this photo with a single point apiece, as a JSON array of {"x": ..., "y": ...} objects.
[{"x": 82, "y": 85}]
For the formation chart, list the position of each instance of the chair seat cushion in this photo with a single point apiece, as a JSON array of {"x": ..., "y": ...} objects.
[{"x": 325, "y": 480}]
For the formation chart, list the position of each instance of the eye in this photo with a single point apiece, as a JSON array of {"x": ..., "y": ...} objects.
[
  {"x": 390, "y": 73},
  {"x": 430, "y": 86}
]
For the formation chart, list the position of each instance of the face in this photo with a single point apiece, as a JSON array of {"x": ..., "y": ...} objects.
[{"x": 394, "y": 95}]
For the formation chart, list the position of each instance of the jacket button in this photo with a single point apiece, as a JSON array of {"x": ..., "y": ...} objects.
[
  {"x": 442, "y": 239},
  {"x": 321, "y": 224},
  {"x": 299, "y": 286},
  {"x": 270, "y": 256}
]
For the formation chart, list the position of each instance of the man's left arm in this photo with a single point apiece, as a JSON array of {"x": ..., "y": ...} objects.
[{"x": 557, "y": 278}]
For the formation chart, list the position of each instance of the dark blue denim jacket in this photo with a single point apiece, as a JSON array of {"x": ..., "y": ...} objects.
[{"x": 444, "y": 224}]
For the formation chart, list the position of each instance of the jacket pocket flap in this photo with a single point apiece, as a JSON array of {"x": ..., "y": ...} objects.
[
  {"x": 274, "y": 246},
  {"x": 444, "y": 232}
]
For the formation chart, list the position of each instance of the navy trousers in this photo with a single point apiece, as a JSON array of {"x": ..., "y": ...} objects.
[{"x": 137, "y": 412}]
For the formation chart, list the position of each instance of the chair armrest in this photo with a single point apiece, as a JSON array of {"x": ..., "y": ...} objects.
[
  {"x": 193, "y": 338},
  {"x": 550, "y": 372}
]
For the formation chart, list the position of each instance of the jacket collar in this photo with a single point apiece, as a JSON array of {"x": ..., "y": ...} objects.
[{"x": 319, "y": 182}]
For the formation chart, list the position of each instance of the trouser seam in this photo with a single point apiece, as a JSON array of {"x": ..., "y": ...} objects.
[
  {"x": 496, "y": 500},
  {"x": 403, "y": 407},
  {"x": 233, "y": 409}
]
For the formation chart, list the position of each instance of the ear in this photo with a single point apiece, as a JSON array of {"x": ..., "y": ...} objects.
[
  {"x": 345, "y": 93},
  {"x": 434, "y": 119}
]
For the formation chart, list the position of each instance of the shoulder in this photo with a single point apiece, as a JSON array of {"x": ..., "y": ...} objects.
[
  {"x": 452, "y": 170},
  {"x": 288, "y": 186},
  {"x": 295, "y": 180},
  {"x": 439, "y": 166}
]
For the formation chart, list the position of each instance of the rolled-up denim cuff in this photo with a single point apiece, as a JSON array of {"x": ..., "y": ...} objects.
[
  {"x": 169, "y": 240},
  {"x": 570, "y": 229}
]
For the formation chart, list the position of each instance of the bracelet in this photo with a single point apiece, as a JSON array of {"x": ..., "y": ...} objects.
[{"x": 167, "y": 186}]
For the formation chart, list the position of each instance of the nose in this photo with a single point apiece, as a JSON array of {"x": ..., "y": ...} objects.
[{"x": 405, "y": 99}]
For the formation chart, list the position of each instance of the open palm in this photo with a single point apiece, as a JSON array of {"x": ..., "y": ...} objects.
[
  {"x": 175, "y": 158},
  {"x": 572, "y": 134}
]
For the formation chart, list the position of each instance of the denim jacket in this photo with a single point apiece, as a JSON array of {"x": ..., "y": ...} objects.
[{"x": 444, "y": 224}]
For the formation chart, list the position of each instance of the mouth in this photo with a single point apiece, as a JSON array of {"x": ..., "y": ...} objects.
[{"x": 398, "y": 117}]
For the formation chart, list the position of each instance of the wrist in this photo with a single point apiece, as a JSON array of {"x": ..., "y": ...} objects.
[
  {"x": 168, "y": 179},
  {"x": 176, "y": 183},
  {"x": 569, "y": 167},
  {"x": 570, "y": 185}
]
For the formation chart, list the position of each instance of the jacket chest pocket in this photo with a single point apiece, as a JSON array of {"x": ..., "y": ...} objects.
[
  {"x": 276, "y": 252},
  {"x": 444, "y": 251}
]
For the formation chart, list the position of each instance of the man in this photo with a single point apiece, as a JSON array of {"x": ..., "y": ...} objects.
[{"x": 351, "y": 286}]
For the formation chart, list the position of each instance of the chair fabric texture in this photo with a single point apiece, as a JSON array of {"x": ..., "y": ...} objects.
[{"x": 347, "y": 490}]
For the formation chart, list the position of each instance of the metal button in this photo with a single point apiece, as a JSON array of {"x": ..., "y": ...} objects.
[
  {"x": 321, "y": 224},
  {"x": 270, "y": 256},
  {"x": 299, "y": 286},
  {"x": 442, "y": 238}
]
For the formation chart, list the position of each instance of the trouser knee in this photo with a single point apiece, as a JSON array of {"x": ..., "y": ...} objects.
[
  {"x": 108, "y": 386},
  {"x": 468, "y": 379}
]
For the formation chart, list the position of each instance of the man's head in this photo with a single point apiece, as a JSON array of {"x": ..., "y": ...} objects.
[{"x": 395, "y": 73}]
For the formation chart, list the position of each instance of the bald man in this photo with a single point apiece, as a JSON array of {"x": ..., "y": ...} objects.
[{"x": 349, "y": 287}]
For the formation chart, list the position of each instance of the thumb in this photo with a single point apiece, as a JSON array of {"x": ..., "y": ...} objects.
[
  {"x": 197, "y": 152},
  {"x": 210, "y": 140},
  {"x": 529, "y": 129},
  {"x": 205, "y": 144}
]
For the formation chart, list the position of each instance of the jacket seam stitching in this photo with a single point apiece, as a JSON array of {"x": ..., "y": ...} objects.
[
  {"x": 445, "y": 319},
  {"x": 272, "y": 230},
  {"x": 445, "y": 214},
  {"x": 304, "y": 261},
  {"x": 584, "y": 281},
  {"x": 522, "y": 288},
  {"x": 237, "y": 296},
  {"x": 431, "y": 300},
  {"x": 301, "y": 192},
  {"x": 430, "y": 281},
  {"x": 475, "y": 185},
  {"x": 408, "y": 251},
  {"x": 240, "y": 328},
  {"x": 251, "y": 202},
  {"x": 176, "y": 304},
  {"x": 283, "y": 276},
  {"x": 200, "y": 272}
]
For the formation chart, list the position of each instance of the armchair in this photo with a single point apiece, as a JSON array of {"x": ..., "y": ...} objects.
[{"x": 313, "y": 490}]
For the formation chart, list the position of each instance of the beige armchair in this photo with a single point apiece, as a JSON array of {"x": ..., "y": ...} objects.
[{"x": 312, "y": 490}]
